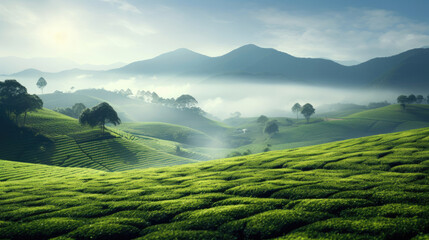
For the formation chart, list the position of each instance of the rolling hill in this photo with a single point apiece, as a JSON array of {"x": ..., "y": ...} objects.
[
  {"x": 367, "y": 188},
  {"x": 54, "y": 139},
  {"x": 295, "y": 133}
]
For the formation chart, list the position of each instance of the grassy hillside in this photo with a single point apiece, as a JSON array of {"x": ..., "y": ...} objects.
[
  {"x": 297, "y": 133},
  {"x": 136, "y": 110},
  {"x": 367, "y": 188},
  {"x": 54, "y": 139}
]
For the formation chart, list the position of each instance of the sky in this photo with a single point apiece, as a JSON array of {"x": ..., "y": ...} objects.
[{"x": 110, "y": 31}]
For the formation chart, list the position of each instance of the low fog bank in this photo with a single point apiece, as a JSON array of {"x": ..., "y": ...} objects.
[{"x": 223, "y": 99}]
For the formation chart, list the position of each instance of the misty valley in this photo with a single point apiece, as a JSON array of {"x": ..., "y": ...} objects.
[{"x": 105, "y": 133}]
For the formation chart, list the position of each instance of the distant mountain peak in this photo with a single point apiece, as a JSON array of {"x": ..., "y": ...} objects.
[{"x": 181, "y": 52}]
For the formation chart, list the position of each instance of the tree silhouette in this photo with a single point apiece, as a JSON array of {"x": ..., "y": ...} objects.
[
  {"x": 41, "y": 83},
  {"x": 99, "y": 115},
  {"x": 262, "y": 119},
  {"x": 15, "y": 99},
  {"x": 402, "y": 99},
  {"x": 271, "y": 127},
  {"x": 296, "y": 108},
  {"x": 307, "y": 110},
  {"x": 412, "y": 99}
]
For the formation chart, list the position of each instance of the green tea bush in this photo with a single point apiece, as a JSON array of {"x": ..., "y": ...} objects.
[
  {"x": 274, "y": 223},
  {"x": 186, "y": 235},
  {"x": 253, "y": 190},
  {"x": 410, "y": 168},
  {"x": 389, "y": 210},
  {"x": 303, "y": 192},
  {"x": 327, "y": 205},
  {"x": 39, "y": 229},
  {"x": 386, "y": 228},
  {"x": 105, "y": 231}
]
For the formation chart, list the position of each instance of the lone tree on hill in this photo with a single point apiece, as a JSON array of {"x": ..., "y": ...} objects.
[
  {"x": 271, "y": 127},
  {"x": 186, "y": 101},
  {"x": 14, "y": 99},
  {"x": 402, "y": 99},
  {"x": 27, "y": 103},
  {"x": 41, "y": 83},
  {"x": 262, "y": 119},
  {"x": 99, "y": 115},
  {"x": 296, "y": 108},
  {"x": 307, "y": 110}
]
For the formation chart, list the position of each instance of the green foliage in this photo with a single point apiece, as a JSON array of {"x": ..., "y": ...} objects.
[
  {"x": 296, "y": 108},
  {"x": 99, "y": 115},
  {"x": 105, "y": 231},
  {"x": 14, "y": 99},
  {"x": 41, "y": 83},
  {"x": 353, "y": 189},
  {"x": 262, "y": 119},
  {"x": 307, "y": 110},
  {"x": 271, "y": 127},
  {"x": 73, "y": 112}
]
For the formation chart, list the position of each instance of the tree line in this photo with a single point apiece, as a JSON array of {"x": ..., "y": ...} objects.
[
  {"x": 410, "y": 99},
  {"x": 16, "y": 101}
]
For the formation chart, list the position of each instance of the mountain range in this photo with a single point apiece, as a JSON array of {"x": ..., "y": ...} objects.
[{"x": 250, "y": 63}]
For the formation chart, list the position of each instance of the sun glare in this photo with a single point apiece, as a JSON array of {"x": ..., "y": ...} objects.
[{"x": 59, "y": 35}]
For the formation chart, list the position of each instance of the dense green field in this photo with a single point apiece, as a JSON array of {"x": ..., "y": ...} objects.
[
  {"x": 367, "y": 188},
  {"x": 55, "y": 139}
]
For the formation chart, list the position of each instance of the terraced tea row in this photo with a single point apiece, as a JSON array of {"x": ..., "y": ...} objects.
[{"x": 368, "y": 188}]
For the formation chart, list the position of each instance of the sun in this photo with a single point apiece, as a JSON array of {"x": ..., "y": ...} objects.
[{"x": 59, "y": 35}]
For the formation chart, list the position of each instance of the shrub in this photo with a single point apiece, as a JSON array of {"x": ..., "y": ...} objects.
[{"x": 105, "y": 231}]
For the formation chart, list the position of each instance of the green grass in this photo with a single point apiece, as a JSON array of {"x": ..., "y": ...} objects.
[
  {"x": 55, "y": 139},
  {"x": 366, "y": 188}
]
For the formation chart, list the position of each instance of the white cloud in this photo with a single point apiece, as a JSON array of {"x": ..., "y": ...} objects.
[{"x": 356, "y": 34}]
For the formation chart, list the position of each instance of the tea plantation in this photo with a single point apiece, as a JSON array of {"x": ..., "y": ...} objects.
[
  {"x": 55, "y": 139},
  {"x": 367, "y": 188}
]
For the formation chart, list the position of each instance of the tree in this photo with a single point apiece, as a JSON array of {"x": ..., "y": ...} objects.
[
  {"x": 419, "y": 99},
  {"x": 262, "y": 119},
  {"x": 41, "y": 83},
  {"x": 78, "y": 109},
  {"x": 15, "y": 99},
  {"x": 99, "y": 115},
  {"x": 27, "y": 103},
  {"x": 10, "y": 90},
  {"x": 412, "y": 99},
  {"x": 402, "y": 99},
  {"x": 186, "y": 101},
  {"x": 307, "y": 110},
  {"x": 296, "y": 108},
  {"x": 271, "y": 127}
]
